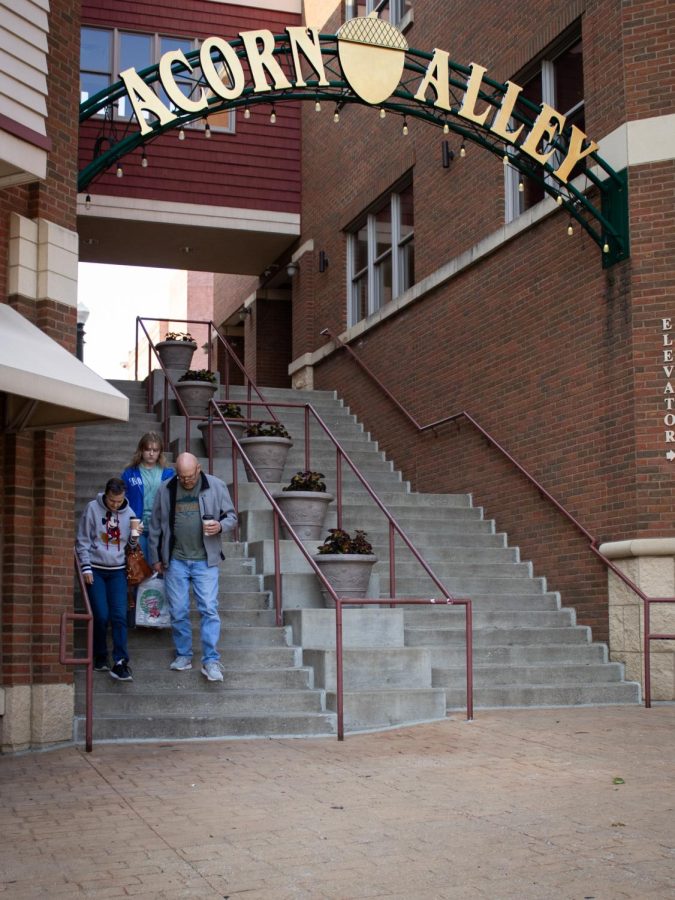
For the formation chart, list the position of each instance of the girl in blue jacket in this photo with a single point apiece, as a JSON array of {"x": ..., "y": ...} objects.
[{"x": 148, "y": 469}]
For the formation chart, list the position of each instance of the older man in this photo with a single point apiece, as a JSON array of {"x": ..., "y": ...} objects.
[{"x": 190, "y": 513}]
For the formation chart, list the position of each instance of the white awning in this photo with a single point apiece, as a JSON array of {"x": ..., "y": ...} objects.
[{"x": 44, "y": 386}]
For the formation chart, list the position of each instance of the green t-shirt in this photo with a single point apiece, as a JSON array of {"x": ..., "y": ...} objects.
[
  {"x": 152, "y": 478},
  {"x": 189, "y": 539}
]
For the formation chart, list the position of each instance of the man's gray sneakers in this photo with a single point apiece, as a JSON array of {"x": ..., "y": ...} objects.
[
  {"x": 181, "y": 664},
  {"x": 212, "y": 670}
]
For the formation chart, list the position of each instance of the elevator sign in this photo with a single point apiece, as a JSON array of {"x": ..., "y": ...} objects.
[{"x": 668, "y": 363}]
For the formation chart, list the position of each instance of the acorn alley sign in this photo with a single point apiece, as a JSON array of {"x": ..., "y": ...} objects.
[{"x": 372, "y": 57}]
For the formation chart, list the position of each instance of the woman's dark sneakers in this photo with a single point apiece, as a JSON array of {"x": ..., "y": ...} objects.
[
  {"x": 101, "y": 665},
  {"x": 121, "y": 671}
]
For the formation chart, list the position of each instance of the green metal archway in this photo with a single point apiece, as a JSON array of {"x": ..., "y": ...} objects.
[{"x": 600, "y": 208}]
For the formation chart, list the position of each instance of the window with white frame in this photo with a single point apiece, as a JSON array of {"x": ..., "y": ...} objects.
[
  {"x": 381, "y": 255},
  {"x": 398, "y": 12},
  {"x": 106, "y": 52},
  {"x": 558, "y": 80}
]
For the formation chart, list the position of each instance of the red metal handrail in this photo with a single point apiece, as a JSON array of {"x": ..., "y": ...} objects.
[
  {"x": 394, "y": 528},
  {"x": 230, "y": 356},
  {"x": 593, "y": 543},
  {"x": 87, "y": 660}
]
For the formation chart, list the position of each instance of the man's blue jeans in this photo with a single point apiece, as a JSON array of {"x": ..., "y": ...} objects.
[
  {"x": 108, "y": 598},
  {"x": 204, "y": 580}
]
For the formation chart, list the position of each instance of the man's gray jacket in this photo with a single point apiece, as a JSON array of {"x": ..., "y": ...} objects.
[{"x": 214, "y": 500}]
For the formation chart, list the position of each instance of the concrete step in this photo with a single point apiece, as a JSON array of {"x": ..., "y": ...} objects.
[
  {"x": 499, "y": 696},
  {"x": 543, "y": 674},
  {"x": 366, "y": 710},
  {"x": 514, "y": 655},
  {"x": 163, "y": 679},
  {"x": 503, "y": 635},
  {"x": 211, "y": 699},
  {"x": 167, "y": 727}
]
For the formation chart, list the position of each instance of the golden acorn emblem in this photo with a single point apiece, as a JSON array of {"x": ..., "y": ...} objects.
[{"x": 372, "y": 56}]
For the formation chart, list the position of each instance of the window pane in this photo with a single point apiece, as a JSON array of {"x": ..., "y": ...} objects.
[
  {"x": 407, "y": 265},
  {"x": 361, "y": 249},
  {"x": 383, "y": 274},
  {"x": 360, "y": 287},
  {"x": 407, "y": 214},
  {"x": 96, "y": 51},
  {"x": 569, "y": 79},
  {"x": 135, "y": 50},
  {"x": 170, "y": 43},
  {"x": 383, "y": 230},
  {"x": 92, "y": 84}
]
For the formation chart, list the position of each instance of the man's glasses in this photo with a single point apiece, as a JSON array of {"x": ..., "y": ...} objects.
[{"x": 189, "y": 476}]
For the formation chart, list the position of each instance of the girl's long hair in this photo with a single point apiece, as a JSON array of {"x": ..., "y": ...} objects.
[{"x": 150, "y": 437}]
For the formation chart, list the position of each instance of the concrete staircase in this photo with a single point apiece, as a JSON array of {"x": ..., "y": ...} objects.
[{"x": 401, "y": 666}]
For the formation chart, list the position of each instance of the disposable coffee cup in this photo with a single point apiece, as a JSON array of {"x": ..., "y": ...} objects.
[
  {"x": 206, "y": 520},
  {"x": 134, "y": 527}
]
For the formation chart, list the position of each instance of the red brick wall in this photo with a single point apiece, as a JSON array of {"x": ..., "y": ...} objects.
[
  {"x": 555, "y": 356},
  {"x": 38, "y": 467},
  {"x": 256, "y": 168},
  {"x": 273, "y": 337}
]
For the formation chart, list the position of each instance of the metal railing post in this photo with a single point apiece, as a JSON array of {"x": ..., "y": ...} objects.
[{"x": 339, "y": 674}]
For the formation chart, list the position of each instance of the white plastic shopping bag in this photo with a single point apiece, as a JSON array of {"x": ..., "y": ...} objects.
[{"x": 152, "y": 607}]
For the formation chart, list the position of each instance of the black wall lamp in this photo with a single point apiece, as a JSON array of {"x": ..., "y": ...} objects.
[
  {"x": 323, "y": 261},
  {"x": 244, "y": 311},
  {"x": 291, "y": 269}
]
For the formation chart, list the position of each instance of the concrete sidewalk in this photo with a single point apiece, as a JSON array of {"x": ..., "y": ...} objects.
[{"x": 518, "y": 803}]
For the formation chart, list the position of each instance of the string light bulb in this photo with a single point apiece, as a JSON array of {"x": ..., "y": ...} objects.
[
  {"x": 521, "y": 186},
  {"x": 181, "y": 134},
  {"x": 336, "y": 115},
  {"x": 87, "y": 202},
  {"x": 207, "y": 128},
  {"x": 144, "y": 160},
  {"x": 383, "y": 112},
  {"x": 446, "y": 129},
  {"x": 570, "y": 229},
  {"x": 247, "y": 112},
  {"x": 605, "y": 247},
  {"x": 119, "y": 171},
  {"x": 405, "y": 126},
  {"x": 273, "y": 116},
  {"x": 505, "y": 159},
  {"x": 317, "y": 106},
  {"x": 462, "y": 150},
  {"x": 559, "y": 199}
]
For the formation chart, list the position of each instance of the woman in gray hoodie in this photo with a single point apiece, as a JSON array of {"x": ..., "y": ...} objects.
[{"x": 103, "y": 535}]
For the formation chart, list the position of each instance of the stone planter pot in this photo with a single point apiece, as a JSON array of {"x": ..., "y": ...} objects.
[
  {"x": 176, "y": 354},
  {"x": 222, "y": 443},
  {"x": 348, "y": 574},
  {"x": 305, "y": 510},
  {"x": 268, "y": 456},
  {"x": 196, "y": 396}
]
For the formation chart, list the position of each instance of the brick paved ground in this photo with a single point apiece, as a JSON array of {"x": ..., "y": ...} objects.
[{"x": 515, "y": 804}]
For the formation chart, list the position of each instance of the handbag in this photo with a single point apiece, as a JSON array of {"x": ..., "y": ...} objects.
[{"x": 137, "y": 567}]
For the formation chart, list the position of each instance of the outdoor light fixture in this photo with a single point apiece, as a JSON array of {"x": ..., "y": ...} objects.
[
  {"x": 247, "y": 112},
  {"x": 462, "y": 150},
  {"x": 87, "y": 202},
  {"x": 521, "y": 186},
  {"x": 317, "y": 105},
  {"x": 323, "y": 261},
  {"x": 605, "y": 247},
  {"x": 207, "y": 127},
  {"x": 447, "y": 155},
  {"x": 273, "y": 116},
  {"x": 383, "y": 113},
  {"x": 181, "y": 134},
  {"x": 559, "y": 199},
  {"x": 404, "y": 130},
  {"x": 446, "y": 129},
  {"x": 570, "y": 229},
  {"x": 144, "y": 160},
  {"x": 291, "y": 269},
  {"x": 244, "y": 311},
  {"x": 336, "y": 114},
  {"x": 505, "y": 159},
  {"x": 119, "y": 171}
]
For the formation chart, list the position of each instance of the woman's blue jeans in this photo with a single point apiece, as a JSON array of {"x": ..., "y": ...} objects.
[
  {"x": 108, "y": 598},
  {"x": 204, "y": 579}
]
